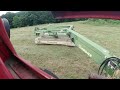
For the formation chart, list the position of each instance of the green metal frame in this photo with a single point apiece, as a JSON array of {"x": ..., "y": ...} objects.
[
  {"x": 53, "y": 31},
  {"x": 93, "y": 50}
]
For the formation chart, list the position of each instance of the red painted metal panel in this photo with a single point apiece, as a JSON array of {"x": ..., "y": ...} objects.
[
  {"x": 6, "y": 50},
  {"x": 22, "y": 71},
  {"x": 36, "y": 70},
  {"x": 87, "y": 14},
  {"x": 4, "y": 37},
  {"x": 4, "y": 73}
]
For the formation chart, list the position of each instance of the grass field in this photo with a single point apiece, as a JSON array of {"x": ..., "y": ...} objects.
[{"x": 66, "y": 62}]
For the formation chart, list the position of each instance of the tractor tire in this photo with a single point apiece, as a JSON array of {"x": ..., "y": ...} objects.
[{"x": 7, "y": 26}]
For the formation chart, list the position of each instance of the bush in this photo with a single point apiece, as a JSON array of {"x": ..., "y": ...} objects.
[{"x": 103, "y": 22}]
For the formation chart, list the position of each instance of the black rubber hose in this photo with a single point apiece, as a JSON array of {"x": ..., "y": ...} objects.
[
  {"x": 103, "y": 63},
  {"x": 106, "y": 62}
]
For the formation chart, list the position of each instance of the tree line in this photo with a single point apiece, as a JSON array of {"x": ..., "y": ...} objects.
[{"x": 29, "y": 18}]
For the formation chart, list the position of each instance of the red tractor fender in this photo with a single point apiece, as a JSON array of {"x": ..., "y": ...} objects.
[{"x": 18, "y": 65}]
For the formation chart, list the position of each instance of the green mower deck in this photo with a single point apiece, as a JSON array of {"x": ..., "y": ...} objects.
[
  {"x": 54, "y": 35},
  {"x": 65, "y": 35}
]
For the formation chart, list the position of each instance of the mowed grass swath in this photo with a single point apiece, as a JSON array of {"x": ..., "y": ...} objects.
[{"x": 65, "y": 62}]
